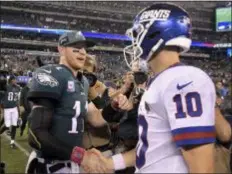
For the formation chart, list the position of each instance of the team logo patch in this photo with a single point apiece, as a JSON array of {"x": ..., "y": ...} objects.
[
  {"x": 71, "y": 86},
  {"x": 46, "y": 79}
]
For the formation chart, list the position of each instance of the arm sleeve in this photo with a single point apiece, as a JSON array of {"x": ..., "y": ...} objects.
[
  {"x": 39, "y": 135},
  {"x": 190, "y": 110},
  {"x": 99, "y": 102},
  {"x": 46, "y": 83},
  {"x": 103, "y": 101},
  {"x": 109, "y": 114}
]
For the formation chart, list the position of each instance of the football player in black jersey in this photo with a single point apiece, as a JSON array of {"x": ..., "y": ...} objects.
[
  {"x": 11, "y": 110},
  {"x": 60, "y": 107}
]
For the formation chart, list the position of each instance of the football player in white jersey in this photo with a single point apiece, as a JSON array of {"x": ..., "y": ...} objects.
[{"x": 176, "y": 114}]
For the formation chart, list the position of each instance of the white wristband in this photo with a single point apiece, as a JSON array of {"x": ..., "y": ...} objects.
[{"x": 119, "y": 162}]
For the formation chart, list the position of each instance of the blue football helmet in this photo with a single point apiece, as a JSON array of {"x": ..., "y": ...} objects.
[{"x": 160, "y": 25}]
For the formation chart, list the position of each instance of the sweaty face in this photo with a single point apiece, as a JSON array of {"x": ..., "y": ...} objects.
[{"x": 75, "y": 57}]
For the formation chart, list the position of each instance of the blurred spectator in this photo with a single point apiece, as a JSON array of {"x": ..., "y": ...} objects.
[
  {"x": 223, "y": 90},
  {"x": 111, "y": 65}
]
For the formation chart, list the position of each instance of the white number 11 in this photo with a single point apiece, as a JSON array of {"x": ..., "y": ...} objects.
[{"x": 77, "y": 108}]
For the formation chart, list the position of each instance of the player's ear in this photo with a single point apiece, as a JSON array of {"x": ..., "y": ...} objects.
[{"x": 61, "y": 50}]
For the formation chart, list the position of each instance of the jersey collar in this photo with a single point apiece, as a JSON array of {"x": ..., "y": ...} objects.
[
  {"x": 79, "y": 74},
  {"x": 155, "y": 76},
  {"x": 67, "y": 68}
]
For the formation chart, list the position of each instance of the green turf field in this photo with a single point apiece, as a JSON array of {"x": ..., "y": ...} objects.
[{"x": 15, "y": 159}]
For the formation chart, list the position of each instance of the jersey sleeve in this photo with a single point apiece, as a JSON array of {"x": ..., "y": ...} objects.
[
  {"x": 189, "y": 104},
  {"x": 46, "y": 83}
]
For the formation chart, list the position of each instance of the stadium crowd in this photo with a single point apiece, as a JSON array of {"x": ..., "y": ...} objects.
[{"x": 111, "y": 66}]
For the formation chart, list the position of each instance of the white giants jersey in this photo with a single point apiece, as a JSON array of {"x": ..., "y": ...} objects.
[{"x": 176, "y": 110}]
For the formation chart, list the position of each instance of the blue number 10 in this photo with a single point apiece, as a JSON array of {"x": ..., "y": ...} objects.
[{"x": 191, "y": 99}]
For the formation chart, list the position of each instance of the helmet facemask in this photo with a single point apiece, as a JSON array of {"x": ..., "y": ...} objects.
[{"x": 133, "y": 52}]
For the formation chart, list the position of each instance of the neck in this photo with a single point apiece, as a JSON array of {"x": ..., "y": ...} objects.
[
  {"x": 163, "y": 60},
  {"x": 63, "y": 61}
]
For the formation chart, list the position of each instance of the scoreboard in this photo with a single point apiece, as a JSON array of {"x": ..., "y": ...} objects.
[{"x": 223, "y": 19}]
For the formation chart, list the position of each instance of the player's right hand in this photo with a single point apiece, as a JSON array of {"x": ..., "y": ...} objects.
[
  {"x": 92, "y": 163},
  {"x": 106, "y": 164}
]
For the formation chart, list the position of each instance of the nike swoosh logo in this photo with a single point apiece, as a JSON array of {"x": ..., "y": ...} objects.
[
  {"x": 179, "y": 87},
  {"x": 47, "y": 71}
]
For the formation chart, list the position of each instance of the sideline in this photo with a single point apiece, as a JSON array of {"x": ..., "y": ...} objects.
[{"x": 17, "y": 145}]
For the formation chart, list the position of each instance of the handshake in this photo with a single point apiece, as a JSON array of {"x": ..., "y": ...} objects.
[{"x": 92, "y": 161}]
